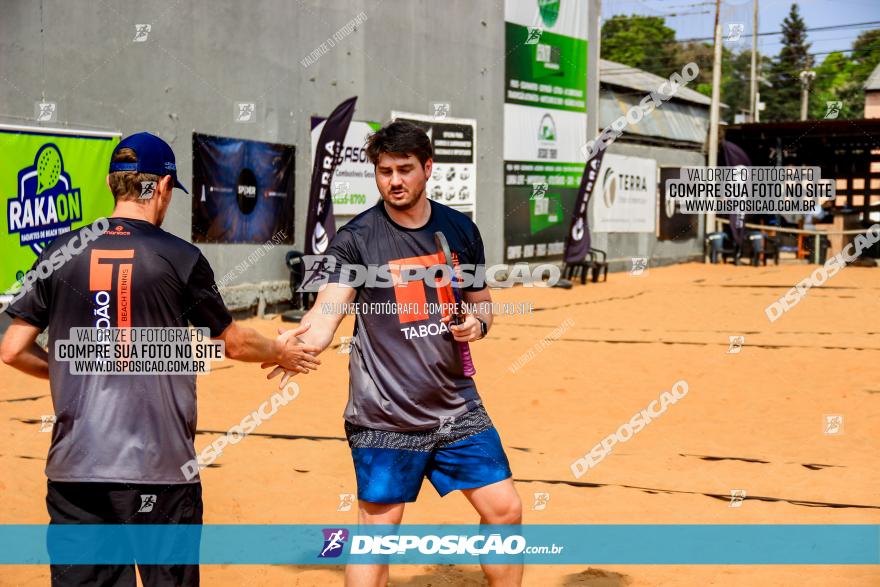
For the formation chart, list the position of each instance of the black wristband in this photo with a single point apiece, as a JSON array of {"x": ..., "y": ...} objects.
[{"x": 484, "y": 328}]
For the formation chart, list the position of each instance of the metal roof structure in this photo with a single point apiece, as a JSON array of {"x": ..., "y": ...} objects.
[
  {"x": 625, "y": 76},
  {"x": 683, "y": 119},
  {"x": 845, "y": 150}
]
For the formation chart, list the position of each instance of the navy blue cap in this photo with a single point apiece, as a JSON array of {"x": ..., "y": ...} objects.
[{"x": 154, "y": 156}]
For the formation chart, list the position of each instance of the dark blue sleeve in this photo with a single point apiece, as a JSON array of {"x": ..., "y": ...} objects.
[
  {"x": 343, "y": 250},
  {"x": 33, "y": 304},
  {"x": 475, "y": 255},
  {"x": 204, "y": 305}
]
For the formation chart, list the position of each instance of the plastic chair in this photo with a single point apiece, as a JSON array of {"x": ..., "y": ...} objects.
[
  {"x": 299, "y": 300},
  {"x": 717, "y": 244},
  {"x": 595, "y": 260},
  {"x": 753, "y": 248},
  {"x": 771, "y": 249},
  {"x": 599, "y": 264}
]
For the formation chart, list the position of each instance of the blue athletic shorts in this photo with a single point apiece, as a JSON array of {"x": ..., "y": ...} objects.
[{"x": 463, "y": 453}]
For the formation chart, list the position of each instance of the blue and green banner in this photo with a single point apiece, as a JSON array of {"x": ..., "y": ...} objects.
[
  {"x": 553, "y": 544},
  {"x": 51, "y": 182}
]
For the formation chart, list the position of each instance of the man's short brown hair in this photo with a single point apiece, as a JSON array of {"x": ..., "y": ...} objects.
[
  {"x": 126, "y": 185},
  {"x": 400, "y": 138}
]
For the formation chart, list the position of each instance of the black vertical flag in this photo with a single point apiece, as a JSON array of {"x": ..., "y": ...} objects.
[
  {"x": 577, "y": 242},
  {"x": 320, "y": 222},
  {"x": 732, "y": 155}
]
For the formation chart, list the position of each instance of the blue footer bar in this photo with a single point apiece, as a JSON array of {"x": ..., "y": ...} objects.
[{"x": 562, "y": 544}]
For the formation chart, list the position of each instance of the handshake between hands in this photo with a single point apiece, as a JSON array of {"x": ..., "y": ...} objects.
[{"x": 293, "y": 355}]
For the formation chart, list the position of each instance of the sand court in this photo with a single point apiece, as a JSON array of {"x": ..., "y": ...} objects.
[{"x": 556, "y": 381}]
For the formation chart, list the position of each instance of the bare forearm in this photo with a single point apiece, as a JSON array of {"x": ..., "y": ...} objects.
[
  {"x": 323, "y": 327},
  {"x": 315, "y": 332},
  {"x": 33, "y": 361},
  {"x": 252, "y": 347}
]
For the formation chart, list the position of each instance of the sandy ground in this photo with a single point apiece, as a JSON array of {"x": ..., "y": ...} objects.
[{"x": 752, "y": 421}]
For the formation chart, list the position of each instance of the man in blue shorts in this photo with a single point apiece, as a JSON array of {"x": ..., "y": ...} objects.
[{"x": 412, "y": 413}]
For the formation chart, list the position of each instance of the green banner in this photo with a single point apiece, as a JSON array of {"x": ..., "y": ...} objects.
[
  {"x": 50, "y": 184},
  {"x": 550, "y": 72},
  {"x": 545, "y": 122}
]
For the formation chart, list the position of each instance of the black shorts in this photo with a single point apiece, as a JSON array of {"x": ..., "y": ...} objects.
[{"x": 123, "y": 503}]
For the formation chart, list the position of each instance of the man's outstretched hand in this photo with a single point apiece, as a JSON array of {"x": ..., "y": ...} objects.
[{"x": 294, "y": 355}]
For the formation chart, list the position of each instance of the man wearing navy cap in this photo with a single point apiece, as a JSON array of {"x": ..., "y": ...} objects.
[{"x": 119, "y": 440}]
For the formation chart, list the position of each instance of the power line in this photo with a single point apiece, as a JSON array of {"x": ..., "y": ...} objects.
[
  {"x": 707, "y": 59},
  {"x": 690, "y": 5},
  {"x": 767, "y": 34},
  {"x": 677, "y": 14}
]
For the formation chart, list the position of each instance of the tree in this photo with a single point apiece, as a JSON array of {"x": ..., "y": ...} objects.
[
  {"x": 841, "y": 79},
  {"x": 736, "y": 73},
  {"x": 700, "y": 53},
  {"x": 639, "y": 41},
  {"x": 835, "y": 83},
  {"x": 865, "y": 55},
  {"x": 784, "y": 97}
]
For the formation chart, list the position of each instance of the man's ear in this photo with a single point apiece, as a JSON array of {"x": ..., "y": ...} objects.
[
  {"x": 429, "y": 164},
  {"x": 107, "y": 180},
  {"x": 167, "y": 185}
]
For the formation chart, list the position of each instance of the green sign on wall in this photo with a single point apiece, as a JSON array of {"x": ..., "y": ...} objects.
[
  {"x": 545, "y": 106},
  {"x": 50, "y": 183}
]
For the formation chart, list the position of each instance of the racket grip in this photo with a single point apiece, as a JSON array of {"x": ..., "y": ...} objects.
[{"x": 467, "y": 362}]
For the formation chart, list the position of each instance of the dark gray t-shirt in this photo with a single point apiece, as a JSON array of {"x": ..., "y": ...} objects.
[
  {"x": 123, "y": 428},
  {"x": 405, "y": 369}
]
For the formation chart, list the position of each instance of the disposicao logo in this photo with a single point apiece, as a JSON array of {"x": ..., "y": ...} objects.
[
  {"x": 334, "y": 542},
  {"x": 46, "y": 204}
]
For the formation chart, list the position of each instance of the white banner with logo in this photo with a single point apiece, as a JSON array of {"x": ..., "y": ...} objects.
[
  {"x": 453, "y": 179},
  {"x": 354, "y": 182},
  {"x": 625, "y": 196},
  {"x": 552, "y": 16},
  {"x": 543, "y": 135}
]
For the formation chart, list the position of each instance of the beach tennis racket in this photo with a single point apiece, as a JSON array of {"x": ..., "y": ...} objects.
[{"x": 457, "y": 318}]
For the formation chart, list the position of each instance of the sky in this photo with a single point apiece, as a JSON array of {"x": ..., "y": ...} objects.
[{"x": 695, "y": 19}]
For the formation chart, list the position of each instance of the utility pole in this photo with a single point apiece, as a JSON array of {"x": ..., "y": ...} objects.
[
  {"x": 753, "y": 86},
  {"x": 594, "y": 44},
  {"x": 715, "y": 108},
  {"x": 806, "y": 77}
]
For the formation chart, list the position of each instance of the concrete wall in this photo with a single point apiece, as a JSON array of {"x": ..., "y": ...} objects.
[
  {"x": 203, "y": 56},
  {"x": 621, "y": 247}
]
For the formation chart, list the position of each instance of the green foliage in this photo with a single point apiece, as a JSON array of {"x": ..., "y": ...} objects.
[
  {"x": 835, "y": 82},
  {"x": 736, "y": 74},
  {"x": 647, "y": 43},
  {"x": 866, "y": 54},
  {"x": 639, "y": 41},
  {"x": 784, "y": 97}
]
